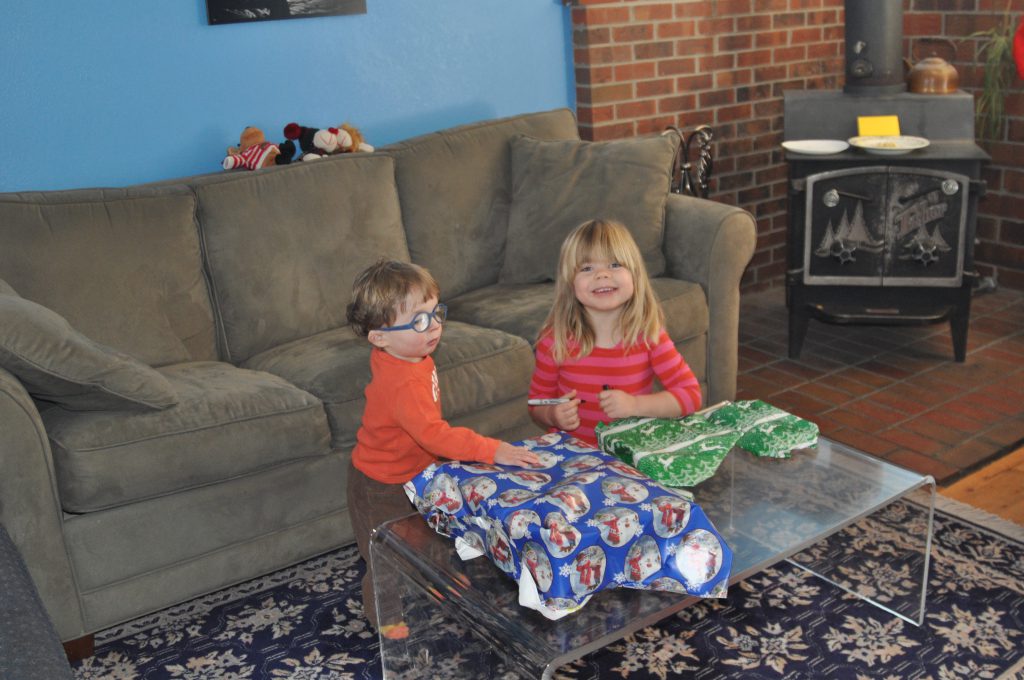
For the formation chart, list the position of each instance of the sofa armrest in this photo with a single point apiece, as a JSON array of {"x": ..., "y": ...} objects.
[
  {"x": 30, "y": 509},
  {"x": 29, "y": 647},
  {"x": 711, "y": 244}
]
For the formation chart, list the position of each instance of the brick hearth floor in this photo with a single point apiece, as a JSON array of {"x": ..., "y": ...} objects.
[{"x": 895, "y": 391}]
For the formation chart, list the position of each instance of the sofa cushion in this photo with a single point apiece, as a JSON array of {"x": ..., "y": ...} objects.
[
  {"x": 520, "y": 309},
  {"x": 229, "y": 422},
  {"x": 123, "y": 266},
  {"x": 455, "y": 191},
  {"x": 56, "y": 363},
  {"x": 285, "y": 244},
  {"x": 477, "y": 368},
  {"x": 557, "y": 185}
]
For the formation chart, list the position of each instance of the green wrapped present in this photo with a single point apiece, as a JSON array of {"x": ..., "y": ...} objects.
[
  {"x": 767, "y": 431},
  {"x": 675, "y": 452}
]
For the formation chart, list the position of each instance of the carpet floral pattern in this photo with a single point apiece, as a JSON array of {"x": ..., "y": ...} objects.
[{"x": 306, "y": 622}]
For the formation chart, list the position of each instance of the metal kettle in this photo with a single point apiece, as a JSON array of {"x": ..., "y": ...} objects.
[{"x": 932, "y": 75}]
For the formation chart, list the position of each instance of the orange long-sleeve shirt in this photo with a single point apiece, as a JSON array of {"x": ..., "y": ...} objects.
[{"x": 403, "y": 431}]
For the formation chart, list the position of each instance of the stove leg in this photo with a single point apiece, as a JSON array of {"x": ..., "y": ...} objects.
[
  {"x": 958, "y": 323},
  {"x": 958, "y": 328},
  {"x": 798, "y": 318}
]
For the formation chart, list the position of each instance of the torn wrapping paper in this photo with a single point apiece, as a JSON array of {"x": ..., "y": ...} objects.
[
  {"x": 674, "y": 451},
  {"x": 767, "y": 431},
  {"x": 582, "y": 522}
]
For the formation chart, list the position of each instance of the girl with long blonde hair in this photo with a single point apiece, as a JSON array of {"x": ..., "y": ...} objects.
[{"x": 604, "y": 340}]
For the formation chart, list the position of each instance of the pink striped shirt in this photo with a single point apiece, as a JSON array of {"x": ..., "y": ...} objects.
[{"x": 632, "y": 371}]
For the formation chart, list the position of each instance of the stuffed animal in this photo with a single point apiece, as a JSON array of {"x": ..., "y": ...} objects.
[
  {"x": 313, "y": 143},
  {"x": 351, "y": 139},
  {"x": 253, "y": 151},
  {"x": 317, "y": 143}
]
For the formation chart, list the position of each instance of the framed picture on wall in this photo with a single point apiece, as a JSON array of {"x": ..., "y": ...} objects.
[{"x": 235, "y": 11}]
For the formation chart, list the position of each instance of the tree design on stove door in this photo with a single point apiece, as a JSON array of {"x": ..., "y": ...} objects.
[{"x": 843, "y": 242}]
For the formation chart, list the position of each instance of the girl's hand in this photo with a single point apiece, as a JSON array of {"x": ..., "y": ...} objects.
[
  {"x": 515, "y": 455},
  {"x": 618, "y": 404},
  {"x": 566, "y": 417}
]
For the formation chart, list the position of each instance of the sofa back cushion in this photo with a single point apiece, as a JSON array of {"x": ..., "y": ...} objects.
[
  {"x": 455, "y": 185},
  {"x": 284, "y": 245},
  {"x": 122, "y": 266},
  {"x": 558, "y": 185}
]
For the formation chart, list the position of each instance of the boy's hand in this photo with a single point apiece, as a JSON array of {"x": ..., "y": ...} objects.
[
  {"x": 515, "y": 455},
  {"x": 617, "y": 404}
]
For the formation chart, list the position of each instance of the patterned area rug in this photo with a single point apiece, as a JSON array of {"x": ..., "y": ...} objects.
[{"x": 306, "y": 622}]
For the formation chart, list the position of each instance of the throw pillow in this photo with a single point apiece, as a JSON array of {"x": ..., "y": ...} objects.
[
  {"x": 57, "y": 363},
  {"x": 558, "y": 185}
]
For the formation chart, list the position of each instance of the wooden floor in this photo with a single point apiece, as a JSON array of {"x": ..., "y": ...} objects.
[{"x": 997, "y": 488}]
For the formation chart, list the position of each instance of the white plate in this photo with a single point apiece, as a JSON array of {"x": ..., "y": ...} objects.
[
  {"x": 816, "y": 147},
  {"x": 889, "y": 146}
]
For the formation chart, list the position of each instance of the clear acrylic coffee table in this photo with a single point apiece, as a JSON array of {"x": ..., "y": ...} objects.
[{"x": 768, "y": 511}]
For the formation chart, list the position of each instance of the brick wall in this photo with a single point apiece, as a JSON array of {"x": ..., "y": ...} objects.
[{"x": 642, "y": 65}]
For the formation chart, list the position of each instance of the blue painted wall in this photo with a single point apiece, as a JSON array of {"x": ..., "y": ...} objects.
[{"x": 125, "y": 91}]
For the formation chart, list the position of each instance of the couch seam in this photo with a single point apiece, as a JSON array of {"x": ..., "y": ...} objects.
[
  {"x": 158, "y": 193},
  {"x": 202, "y": 485},
  {"x": 188, "y": 431},
  {"x": 211, "y": 283}
]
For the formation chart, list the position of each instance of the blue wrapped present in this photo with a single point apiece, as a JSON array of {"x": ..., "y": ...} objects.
[{"x": 582, "y": 522}]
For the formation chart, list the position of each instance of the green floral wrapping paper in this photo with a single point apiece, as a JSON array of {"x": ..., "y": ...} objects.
[
  {"x": 675, "y": 452},
  {"x": 767, "y": 431}
]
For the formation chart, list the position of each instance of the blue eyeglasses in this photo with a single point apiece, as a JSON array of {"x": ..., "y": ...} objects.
[{"x": 421, "y": 322}]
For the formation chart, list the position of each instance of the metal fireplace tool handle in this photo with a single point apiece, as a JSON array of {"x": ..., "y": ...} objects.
[{"x": 692, "y": 178}]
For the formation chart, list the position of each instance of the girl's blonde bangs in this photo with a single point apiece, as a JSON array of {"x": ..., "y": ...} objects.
[{"x": 606, "y": 244}]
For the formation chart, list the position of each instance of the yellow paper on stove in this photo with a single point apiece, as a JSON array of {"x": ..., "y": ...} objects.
[{"x": 878, "y": 126}]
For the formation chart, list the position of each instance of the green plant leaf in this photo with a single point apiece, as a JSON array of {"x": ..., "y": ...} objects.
[{"x": 996, "y": 49}]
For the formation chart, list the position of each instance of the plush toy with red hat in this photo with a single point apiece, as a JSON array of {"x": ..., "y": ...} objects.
[
  {"x": 253, "y": 152},
  {"x": 313, "y": 142},
  {"x": 316, "y": 143}
]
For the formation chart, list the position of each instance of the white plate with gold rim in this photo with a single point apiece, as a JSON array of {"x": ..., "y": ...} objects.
[
  {"x": 894, "y": 145},
  {"x": 816, "y": 147}
]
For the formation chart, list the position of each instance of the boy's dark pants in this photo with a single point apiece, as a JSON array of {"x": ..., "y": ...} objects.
[{"x": 370, "y": 504}]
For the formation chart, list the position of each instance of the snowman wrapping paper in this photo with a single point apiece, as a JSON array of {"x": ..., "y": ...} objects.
[{"x": 580, "y": 523}]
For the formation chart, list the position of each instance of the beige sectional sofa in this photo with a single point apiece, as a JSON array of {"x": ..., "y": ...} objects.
[{"x": 179, "y": 390}]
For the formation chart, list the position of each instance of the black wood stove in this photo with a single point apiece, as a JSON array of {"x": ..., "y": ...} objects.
[{"x": 883, "y": 237}]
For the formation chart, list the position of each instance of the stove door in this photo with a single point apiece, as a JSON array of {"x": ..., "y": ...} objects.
[
  {"x": 927, "y": 216},
  {"x": 885, "y": 226},
  {"x": 844, "y": 234}
]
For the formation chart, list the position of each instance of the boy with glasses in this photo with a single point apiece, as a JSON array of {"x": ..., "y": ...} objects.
[{"x": 395, "y": 306}]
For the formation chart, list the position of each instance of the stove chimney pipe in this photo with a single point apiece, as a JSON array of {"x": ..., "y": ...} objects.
[{"x": 874, "y": 47}]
